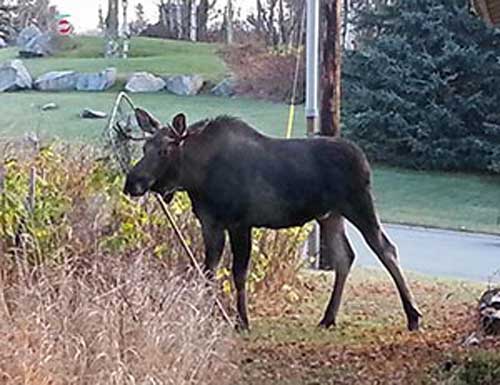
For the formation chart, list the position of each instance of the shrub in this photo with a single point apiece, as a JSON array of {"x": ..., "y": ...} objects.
[
  {"x": 482, "y": 368},
  {"x": 265, "y": 74},
  {"x": 80, "y": 210}
]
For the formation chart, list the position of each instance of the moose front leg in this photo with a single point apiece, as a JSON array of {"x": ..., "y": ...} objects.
[
  {"x": 240, "y": 238},
  {"x": 214, "y": 240}
]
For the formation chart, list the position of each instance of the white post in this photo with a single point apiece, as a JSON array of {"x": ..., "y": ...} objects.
[
  {"x": 312, "y": 81},
  {"x": 312, "y": 100}
]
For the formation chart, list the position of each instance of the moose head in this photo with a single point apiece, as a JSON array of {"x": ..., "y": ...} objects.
[{"x": 159, "y": 168}]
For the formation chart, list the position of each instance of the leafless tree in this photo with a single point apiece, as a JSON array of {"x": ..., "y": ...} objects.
[
  {"x": 101, "y": 24},
  {"x": 18, "y": 14},
  {"x": 140, "y": 23},
  {"x": 112, "y": 43},
  {"x": 185, "y": 19},
  {"x": 277, "y": 21},
  {"x": 355, "y": 8}
]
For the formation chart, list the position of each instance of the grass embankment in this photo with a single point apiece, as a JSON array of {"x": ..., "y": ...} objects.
[{"x": 162, "y": 57}]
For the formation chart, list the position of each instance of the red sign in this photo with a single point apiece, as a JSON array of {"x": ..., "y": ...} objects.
[{"x": 64, "y": 27}]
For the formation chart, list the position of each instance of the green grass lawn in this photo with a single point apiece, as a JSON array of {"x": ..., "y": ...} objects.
[
  {"x": 456, "y": 201},
  {"x": 162, "y": 57},
  {"x": 20, "y": 112}
]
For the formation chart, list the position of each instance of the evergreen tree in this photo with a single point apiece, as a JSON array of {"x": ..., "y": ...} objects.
[{"x": 423, "y": 90}]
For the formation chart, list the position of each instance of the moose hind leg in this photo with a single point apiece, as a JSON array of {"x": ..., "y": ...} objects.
[
  {"x": 241, "y": 248},
  {"x": 336, "y": 247},
  {"x": 362, "y": 215},
  {"x": 387, "y": 254}
]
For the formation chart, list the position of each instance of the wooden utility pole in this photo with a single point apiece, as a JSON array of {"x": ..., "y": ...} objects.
[
  {"x": 330, "y": 114},
  {"x": 331, "y": 72}
]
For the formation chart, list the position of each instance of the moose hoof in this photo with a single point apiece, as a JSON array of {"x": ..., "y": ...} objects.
[
  {"x": 242, "y": 328},
  {"x": 325, "y": 324},
  {"x": 414, "y": 322}
]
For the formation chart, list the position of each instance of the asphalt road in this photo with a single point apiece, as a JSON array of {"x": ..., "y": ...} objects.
[{"x": 440, "y": 253}]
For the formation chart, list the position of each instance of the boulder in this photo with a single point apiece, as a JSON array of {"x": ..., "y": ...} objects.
[
  {"x": 27, "y": 34},
  {"x": 49, "y": 107},
  {"x": 144, "y": 82},
  {"x": 489, "y": 311},
  {"x": 185, "y": 85},
  {"x": 33, "y": 43},
  {"x": 3, "y": 43},
  {"x": 224, "y": 88},
  {"x": 89, "y": 113},
  {"x": 100, "y": 81},
  {"x": 57, "y": 81},
  {"x": 14, "y": 76}
]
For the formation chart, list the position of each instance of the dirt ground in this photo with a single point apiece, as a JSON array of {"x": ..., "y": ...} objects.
[{"x": 370, "y": 345}]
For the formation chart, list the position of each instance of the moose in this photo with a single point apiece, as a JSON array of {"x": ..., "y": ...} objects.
[{"x": 238, "y": 178}]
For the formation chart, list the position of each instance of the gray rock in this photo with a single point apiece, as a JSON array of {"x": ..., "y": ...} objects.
[
  {"x": 224, "y": 88},
  {"x": 27, "y": 34},
  {"x": 88, "y": 113},
  {"x": 144, "y": 82},
  {"x": 489, "y": 311},
  {"x": 49, "y": 107},
  {"x": 184, "y": 85},
  {"x": 100, "y": 81},
  {"x": 57, "y": 81},
  {"x": 14, "y": 76},
  {"x": 3, "y": 43},
  {"x": 33, "y": 43}
]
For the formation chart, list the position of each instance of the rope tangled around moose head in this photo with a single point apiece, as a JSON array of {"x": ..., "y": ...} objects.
[{"x": 124, "y": 149}]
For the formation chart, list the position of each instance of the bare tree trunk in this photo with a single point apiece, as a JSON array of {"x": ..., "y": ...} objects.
[
  {"x": 179, "y": 23},
  {"x": 330, "y": 103},
  {"x": 259, "y": 17},
  {"x": 193, "y": 22},
  {"x": 125, "y": 30},
  {"x": 112, "y": 45},
  {"x": 229, "y": 22},
  {"x": 202, "y": 23},
  {"x": 281, "y": 22}
]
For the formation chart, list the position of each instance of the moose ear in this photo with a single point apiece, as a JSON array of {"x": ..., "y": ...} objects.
[
  {"x": 179, "y": 124},
  {"x": 147, "y": 122}
]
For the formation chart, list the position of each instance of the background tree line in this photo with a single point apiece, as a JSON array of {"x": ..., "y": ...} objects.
[{"x": 18, "y": 14}]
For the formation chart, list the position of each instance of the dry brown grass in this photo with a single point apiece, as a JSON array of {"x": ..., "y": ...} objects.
[
  {"x": 96, "y": 289},
  {"x": 105, "y": 320}
]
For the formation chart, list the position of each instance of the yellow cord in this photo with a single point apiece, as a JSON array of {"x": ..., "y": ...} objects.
[
  {"x": 291, "y": 116},
  {"x": 291, "y": 119}
]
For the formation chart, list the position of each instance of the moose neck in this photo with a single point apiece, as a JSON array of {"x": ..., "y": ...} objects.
[{"x": 194, "y": 157}]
